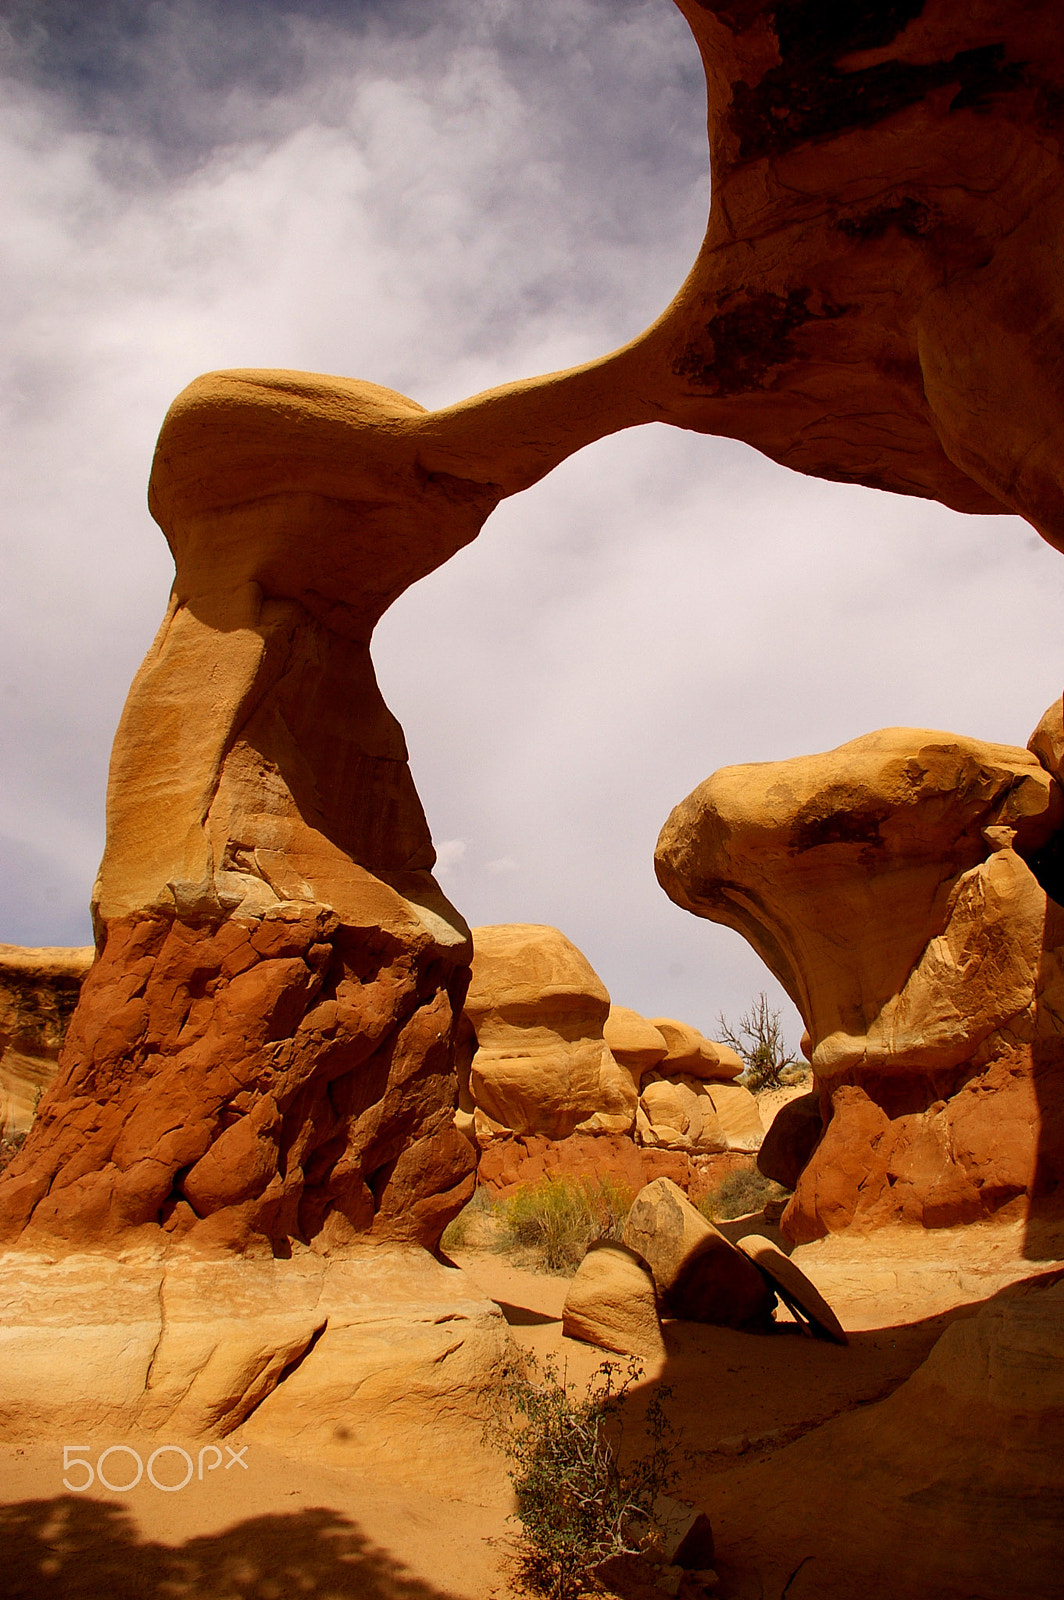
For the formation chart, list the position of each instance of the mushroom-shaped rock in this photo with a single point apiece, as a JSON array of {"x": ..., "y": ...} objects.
[
  {"x": 887, "y": 885},
  {"x": 612, "y": 1303},
  {"x": 538, "y": 1009},
  {"x": 699, "y": 1274},
  {"x": 636, "y": 1043}
]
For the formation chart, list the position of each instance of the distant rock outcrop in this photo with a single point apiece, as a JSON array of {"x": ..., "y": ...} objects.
[
  {"x": 39, "y": 990},
  {"x": 550, "y": 1056},
  {"x": 538, "y": 1011},
  {"x": 893, "y": 887}
]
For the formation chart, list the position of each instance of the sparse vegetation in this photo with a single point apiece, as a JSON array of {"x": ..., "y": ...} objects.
[
  {"x": 576, "y": 1505},
  {"x": 545, "y": 1226},
  {"x": 741, "y": 1192},
  {"x": 552, "y": 1223},
  {"x": 758, "y": 1038}
]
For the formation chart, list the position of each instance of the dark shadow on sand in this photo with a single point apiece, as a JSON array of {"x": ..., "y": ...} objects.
[{"x": 68, "y": 1548}]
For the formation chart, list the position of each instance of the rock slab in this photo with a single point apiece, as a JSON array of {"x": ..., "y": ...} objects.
[{"x": 700, "y": 1276}]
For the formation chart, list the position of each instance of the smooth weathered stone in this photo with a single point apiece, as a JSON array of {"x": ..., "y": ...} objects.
[
  {"x": 612, "y": 1303},
  {"x": 699, "y": 1275}
]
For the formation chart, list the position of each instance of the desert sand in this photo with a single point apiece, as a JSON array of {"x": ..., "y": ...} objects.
[{"x": 803, "y": 1453}]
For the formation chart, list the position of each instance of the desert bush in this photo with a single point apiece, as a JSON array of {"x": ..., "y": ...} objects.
[
  {"x": 758, "y": 1038},
  {"x": 576, "y": 1505},
  {"x": 551, "y": 1223},
  {"x": 740, "y": 1192}
]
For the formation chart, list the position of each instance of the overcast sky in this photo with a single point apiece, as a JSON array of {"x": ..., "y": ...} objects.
[{"x": 440, "y": 195}]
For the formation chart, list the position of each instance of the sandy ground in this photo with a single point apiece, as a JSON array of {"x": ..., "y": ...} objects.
[{"x": 275, "y": 1526}]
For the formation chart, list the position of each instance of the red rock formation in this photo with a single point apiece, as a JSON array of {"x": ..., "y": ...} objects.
[{"x": 880, "y": 883}]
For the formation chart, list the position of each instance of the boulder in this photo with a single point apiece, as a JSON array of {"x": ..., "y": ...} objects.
[
  {"x": 542, "y": 1065},
  {"x": 39, "y": 989},
  {"x": 636, "y": 1043},
  {"x": 691, "y": 1053},
  {"x": 737, "y": 1115},
  {"x": 793, "y": 1135},
  {"x": 687, "y": 1113},
  {"x": 612, "y": 1303},
  {"x": 686, "y": 1534},
  {"x": 700, "y": 1276},
  {"x": 679, "y": 1115},
  {"x": 890, "y": 886}
]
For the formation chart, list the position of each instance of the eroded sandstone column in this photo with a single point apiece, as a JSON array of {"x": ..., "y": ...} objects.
[{"x": 893, "y": 887}]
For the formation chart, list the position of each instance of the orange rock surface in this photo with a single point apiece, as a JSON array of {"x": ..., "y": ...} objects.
[
  {"x": 542, "y": 1065},
  {"x": 885, "y": 883},
  {"x": 39, "y": 989}
]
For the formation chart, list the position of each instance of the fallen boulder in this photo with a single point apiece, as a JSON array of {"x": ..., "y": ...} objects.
[
  {"x": 612, "y": 1302},
  {"x": 699, "y": 1274}
]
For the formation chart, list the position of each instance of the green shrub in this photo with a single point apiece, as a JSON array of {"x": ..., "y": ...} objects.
[
  {"x": 550, "y": 1224},
  {"x": 740, "y": 1192},
  {"x": 576, "y": 1506}
]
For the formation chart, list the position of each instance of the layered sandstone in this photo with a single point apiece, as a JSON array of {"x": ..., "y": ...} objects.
[
  {"x": 538, "y": 1010},
  {"x": 889, "y": 885},
  {"x": 39, "y": 989}
]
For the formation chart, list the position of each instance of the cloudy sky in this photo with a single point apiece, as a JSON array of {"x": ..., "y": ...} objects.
[{"x": 441, "y": 195}]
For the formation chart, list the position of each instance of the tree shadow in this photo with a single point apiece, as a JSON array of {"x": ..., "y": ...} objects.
[{"x": 68, "y": 1548}]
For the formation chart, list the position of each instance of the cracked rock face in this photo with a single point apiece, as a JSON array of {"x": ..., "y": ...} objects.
[{"x": 889, "y": 886}]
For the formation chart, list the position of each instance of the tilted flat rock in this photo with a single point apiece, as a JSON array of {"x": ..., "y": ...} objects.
[
  {"x": 699, "y": 1274},
  {"x": 538, "y": 1010},
  {"x": 39, "y": 989},
  {"x": 885, "y": 884},
  {"x": 612, "y": 1303},
  {"x": 793, "y": 1287}
]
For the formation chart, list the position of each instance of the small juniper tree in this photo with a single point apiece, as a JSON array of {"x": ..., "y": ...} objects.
[{"x": 758, "y": 1038}]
